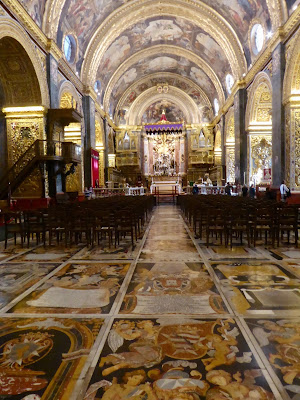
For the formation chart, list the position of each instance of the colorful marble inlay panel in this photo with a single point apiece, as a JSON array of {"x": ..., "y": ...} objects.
[
  {"x": 169, "y": 250},
  {"x": 285, "y": 252},
  {"x": 241, "y": 272},
  {"x": 123, "y": 251},
  {"x": 48, "y": 254},
  {"x": 227, "y": 253},
  {"x": 11, "y": 250},
  {"x": 274, "y": 300},
  {"x": 177, "y": 359},
  {"x": 16, "y": 278},
  {"x": 172, "y": 288},
  {"x": 43, "y": 357},
  {"x": 77, "y": 289},
  {"x": 279, "y": 340}
]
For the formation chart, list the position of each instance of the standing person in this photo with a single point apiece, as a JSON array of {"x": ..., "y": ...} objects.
[
  {"x": 228, "y": 189},
  {"x": 195, "y": 189},
  {"x": 252, "y": 192},
  {"x": 283, "y": 191},
  {"x": 244, "y": 191}
]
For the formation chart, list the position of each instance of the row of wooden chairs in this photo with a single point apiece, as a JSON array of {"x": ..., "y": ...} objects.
[
  {"x": 234, "y": 217},
  {"x": 89, "y": 222}
]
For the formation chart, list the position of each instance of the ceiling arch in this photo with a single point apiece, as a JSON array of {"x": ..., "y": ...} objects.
[
  {"x": 197, "y": 66},
  {"x": 11, "y": 29},
  {"x": 161, "y": 78},
  {"x": 174, "y": 95},
  {"x": 199, "y": 13}
]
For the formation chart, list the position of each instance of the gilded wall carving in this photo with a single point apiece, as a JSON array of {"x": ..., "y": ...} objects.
[
  {"x": 259, "y": 105},
  {"x": 21, "y": 134},
  {"x": 73, "y": 181},
  {"x": 297, "y": 147},
  {"x": 31, "y": 186},
  {"x": 11, "y": 29},
  {"x": 230, "y": 164},
  {"x": 260, "y": 156}
]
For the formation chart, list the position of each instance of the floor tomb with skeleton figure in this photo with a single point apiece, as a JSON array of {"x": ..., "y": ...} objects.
[{"x": 170, "y": 319}]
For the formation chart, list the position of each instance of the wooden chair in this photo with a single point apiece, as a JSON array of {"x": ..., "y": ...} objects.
[{"x": 14, "y": 225}]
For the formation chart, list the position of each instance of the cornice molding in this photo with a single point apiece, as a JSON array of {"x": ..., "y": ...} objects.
[
  {"x": 159, "y": 50},
  {"x": 27, "y": 22}
]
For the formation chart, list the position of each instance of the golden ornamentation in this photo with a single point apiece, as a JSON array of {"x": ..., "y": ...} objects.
[
  {"x": 18, "y": 10},
  {"x": 259, "y": 104},
  {"x": 261, "y": 154},
  {"x": 297, "y": 147},
  {"x": 160, "y": 50},
  {"x": 201, "y": 14},
  {"x": 73, "y": 180},
  {"x": 31, "y": 186},
  {"x": 69, "y": 96},
  {"x": 10, "y": 28},
  {"x": 229, "y": 127},
  {"x": 263, "y": 114},
  {"x": 291, "y": 82},
  {"x": 230, "y": 164}
]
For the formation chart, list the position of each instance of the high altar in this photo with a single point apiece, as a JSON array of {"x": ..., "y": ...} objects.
[{"x": 164, "y": 155}]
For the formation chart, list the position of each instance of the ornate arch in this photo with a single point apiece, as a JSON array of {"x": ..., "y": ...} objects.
[
  {"x": 159, "y": 50},
  {"x": 229, "y": 127},
  {"x": 175, "y": 95},
  {"x": 259, "y": 106},
  {"x": 195, "y": 11},
  {"x": 161, "y": 76},
  {"x": 67, "y": 87},
  {"x": 291, "y": 84},
  {"x": 10, "y": 28}
]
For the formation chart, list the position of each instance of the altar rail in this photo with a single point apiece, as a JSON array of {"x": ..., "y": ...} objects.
[
  {"x": 128, "y": 191},
  {"x": 212, "y": 190}
]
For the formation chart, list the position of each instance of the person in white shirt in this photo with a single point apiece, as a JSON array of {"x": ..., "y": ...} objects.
[{"x": 283, "y": 190}]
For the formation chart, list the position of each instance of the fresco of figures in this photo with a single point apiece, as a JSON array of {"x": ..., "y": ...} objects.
[
  {"x": 35, "y": 9},
  {"x": 183, "y": 359},
  {"x": 84, "y": 16},
  {"x": 139, "y": 88},
  {"x": 165, "y": 63},
  {"x": 154, "y": 112},
  {"x": 153, "y": 31}
]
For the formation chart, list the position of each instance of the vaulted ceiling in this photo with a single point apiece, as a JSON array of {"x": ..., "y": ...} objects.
[{"x": 131, "y": 46}]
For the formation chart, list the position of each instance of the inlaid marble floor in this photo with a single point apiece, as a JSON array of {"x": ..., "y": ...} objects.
[{"x": 169, "y": 319}]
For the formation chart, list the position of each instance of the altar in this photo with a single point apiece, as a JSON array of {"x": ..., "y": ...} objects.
[
  {"x": 166, "y": 185},
  {"x": 164, "y": 154}
]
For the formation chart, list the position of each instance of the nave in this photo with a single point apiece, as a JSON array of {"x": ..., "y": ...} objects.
[{"x": 169, "y": 319}]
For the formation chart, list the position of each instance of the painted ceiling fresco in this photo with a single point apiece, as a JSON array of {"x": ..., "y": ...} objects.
[
  {"x": 165, "y": 63},
  {"x": 153, "y": 31},
  {"x": 35, "y": 9},
  {"x": 82, "y": 17},
  {"x": 154, "y": 112},
  {"x": 153, "y": 81}
]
